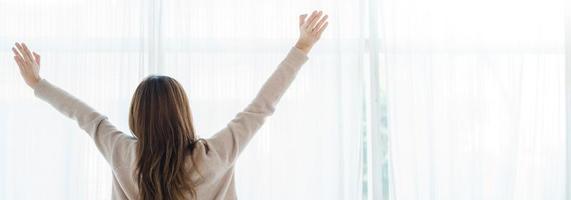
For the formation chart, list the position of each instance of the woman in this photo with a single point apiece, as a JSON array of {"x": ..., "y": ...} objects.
[{"x": 165, "y": 160}]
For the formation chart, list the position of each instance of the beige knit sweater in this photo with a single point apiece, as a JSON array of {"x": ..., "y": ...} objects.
[{"x": 216, "y": 165}]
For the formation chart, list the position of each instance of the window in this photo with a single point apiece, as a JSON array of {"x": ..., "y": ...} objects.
[{"x": 221, "y": 51}]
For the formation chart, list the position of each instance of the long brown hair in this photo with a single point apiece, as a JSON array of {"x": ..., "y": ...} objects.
[{"x": 161, "y": 119}]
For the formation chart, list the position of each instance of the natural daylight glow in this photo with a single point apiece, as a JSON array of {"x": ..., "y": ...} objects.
[
  {"x": 221, "y": 51},
  {"x": 476, "y": 99},
  {"x": 400, "y": 100}
]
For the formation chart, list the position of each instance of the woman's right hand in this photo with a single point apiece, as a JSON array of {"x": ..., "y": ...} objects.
[
  {"x": 29, "y": 64},
  {"x": 310, "y": 30}
]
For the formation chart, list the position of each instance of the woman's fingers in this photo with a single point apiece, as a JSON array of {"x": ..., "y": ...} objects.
[
  {"x": 20, "y": 63},
  {"x": 18, "y": 58},
  {"x": 28, "y": 52},
  {"x": 310, "y": 19},
  {"x": 37, "y": 57},
  {"x": 302, "y": 19},
  {"x": 20, "y": 50},
  {"x": 314, "y": 21},
  {"x": 25, "y": 53},
  {"x": 320, "y": 31},
  {"x": 320, "y": 23},
  {"x": 16, "y": 53},
  {"x": 25, "y": 57}
]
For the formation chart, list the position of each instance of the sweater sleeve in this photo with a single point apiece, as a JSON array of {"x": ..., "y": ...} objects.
[
  {"x": 230, "y": 141},
  {"x": 107, "y": 138}
]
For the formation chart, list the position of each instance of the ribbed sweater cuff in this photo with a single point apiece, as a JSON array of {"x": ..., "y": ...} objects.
[
  {"x": 296, "y": 57},
  {"x": 41, "y": 87}
]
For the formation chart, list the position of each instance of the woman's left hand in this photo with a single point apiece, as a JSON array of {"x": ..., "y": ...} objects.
[
  {"x": 310, "y": 30},
  {"x": 29, "y": 64}
]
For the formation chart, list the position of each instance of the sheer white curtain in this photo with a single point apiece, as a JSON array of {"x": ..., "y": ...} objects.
[
  {"x": 568, "y": 91},
  {"x": 475, "y": 98},
  {"x": 221, "y": 51}
]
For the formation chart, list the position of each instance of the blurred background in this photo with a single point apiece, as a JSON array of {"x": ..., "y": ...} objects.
[{"x": 401, "y": 99}]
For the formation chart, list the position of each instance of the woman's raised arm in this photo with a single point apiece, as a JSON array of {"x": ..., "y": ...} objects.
[
  {"x": 108, "y": 139},
  {"x": 230, "y": 141}
]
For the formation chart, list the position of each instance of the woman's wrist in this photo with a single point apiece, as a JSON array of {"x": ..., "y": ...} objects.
[
  {"x": 34, "y": 82},
  {"x": 303, "y": 47}
]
